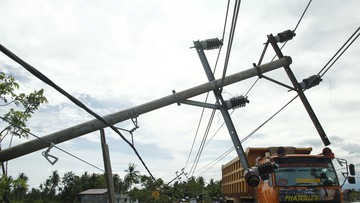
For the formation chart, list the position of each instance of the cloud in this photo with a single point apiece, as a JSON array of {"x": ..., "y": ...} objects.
[{"x": 116, "y": 55}]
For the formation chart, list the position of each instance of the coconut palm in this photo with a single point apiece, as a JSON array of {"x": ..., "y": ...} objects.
[
  {"x": 52, "y": 183},
  {"x": 20, "y": 186},
  {"x": 132, "y": 176}
]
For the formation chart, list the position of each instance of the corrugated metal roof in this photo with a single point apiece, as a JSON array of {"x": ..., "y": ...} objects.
[{"x": 93, "y": 192}]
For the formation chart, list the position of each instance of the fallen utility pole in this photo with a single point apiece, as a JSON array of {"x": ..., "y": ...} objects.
[{"x": 94, "y": 125}]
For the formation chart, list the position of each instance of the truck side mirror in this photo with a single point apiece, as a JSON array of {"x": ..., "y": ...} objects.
[
  {"x": 352, "y": 169},
  {"x": 351, "y": 180}
]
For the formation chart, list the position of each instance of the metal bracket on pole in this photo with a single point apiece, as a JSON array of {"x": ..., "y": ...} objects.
[
  {"x": 49, "y": 156},
  {"x": 281, "y": 37},
  {"x": 176, "y": 99}
]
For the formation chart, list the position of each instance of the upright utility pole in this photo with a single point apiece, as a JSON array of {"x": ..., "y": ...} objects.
[
  {"x": 94, "y": 125},
  {"x": 107, "y": 165}
]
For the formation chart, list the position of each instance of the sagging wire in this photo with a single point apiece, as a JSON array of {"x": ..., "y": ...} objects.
[
  {"x": 316, "y": 79},
  {"x": 52, "y": 145},
  {"x": 207, "y": 95},
  {"x": 198, "y": 155},
  {"x": 310, "y": 82},
  {"x": 248, "y": 136},
  {"x": 321, "y": 74},
  {"x": 259, "y": 63},
  {"x": 46, "y": 80},
  {"x": 231, "y": 38}
]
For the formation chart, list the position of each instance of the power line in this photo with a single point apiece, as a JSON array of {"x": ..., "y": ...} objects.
[
  {"x": 338, "y": 52},
  {"x": 231, "y": 38},
  {"x": 311, "y": 82},
  {"x": 297, "y": 25},
  {"x": 207, "y": 95},
  {"x": 45, "y": 79},
  {"x": 198, "y": 155},
  {"x": 345, "y": 167},
  {"x": 248, "y": 136},
  {"x": 196, "y": 133},
  {"x": 38, "y": 137}
]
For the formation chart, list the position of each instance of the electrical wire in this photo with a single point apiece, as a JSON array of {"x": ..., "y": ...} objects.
[
  {"x": 231, "y": 38},
  {"x": 322, "y": 70},
  {"x": 45, "y": 79},
  {"x": 64, "y": 151},
  {"x": 198, "y": 155},
  {"x": 196, "y": 133},
  {"x": 250, "y": 134},
  {"x": 297, "y": 25},
  {"x": 207, "y": 95},
  {"x": 345, "y": 167},
  {"x": 226, "y": 61}
]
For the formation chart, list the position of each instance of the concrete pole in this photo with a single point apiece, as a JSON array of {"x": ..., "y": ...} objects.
[
  {"x": 94, "y": 125},
  {"x": 107, "y": 165}
]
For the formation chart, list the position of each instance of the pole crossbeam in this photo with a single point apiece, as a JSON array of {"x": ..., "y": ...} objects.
[{"x": 94, "y": 125}]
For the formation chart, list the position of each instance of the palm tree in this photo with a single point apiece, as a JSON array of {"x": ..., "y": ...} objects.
[
  {"x": 132, "y": 176},
  {"x": 20, "y": 186},
  {"x": 53, "y": 183},
  {"x": 119, "y": 184}
]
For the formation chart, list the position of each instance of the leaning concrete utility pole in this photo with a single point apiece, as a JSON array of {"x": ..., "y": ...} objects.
[{"x": 176, "y": 97}]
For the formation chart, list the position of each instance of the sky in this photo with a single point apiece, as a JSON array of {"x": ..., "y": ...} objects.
[{"x": 114, "y": 55}]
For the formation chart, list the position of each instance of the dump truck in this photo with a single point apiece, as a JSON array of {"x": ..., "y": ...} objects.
[{"x": 297, "y": 176}]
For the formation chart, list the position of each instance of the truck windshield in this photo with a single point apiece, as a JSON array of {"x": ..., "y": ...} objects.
[{"x": 301, "y": 171}]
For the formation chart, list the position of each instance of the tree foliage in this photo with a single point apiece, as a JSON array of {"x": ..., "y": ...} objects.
[
  {"x": 20, "y": 107},
  {"x": 66, "y": 188}
]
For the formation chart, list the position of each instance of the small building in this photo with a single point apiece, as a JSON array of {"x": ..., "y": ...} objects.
[
  {"x": 94, "y": 196},
  {"x": 101, "y": 196}
]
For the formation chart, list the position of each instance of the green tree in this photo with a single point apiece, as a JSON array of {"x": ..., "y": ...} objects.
[
  {"x": 20, "y": 186},
  {"x": 69, "y": 184},
  {"x": 5, "y": 183},
  {"x": 213, "y": 189},
  {"x": 20, "y": 106},
  {"x": 119, "y": 185},
  {"x": 132, "y": 176},
  {"x": 54, "y": 179}
]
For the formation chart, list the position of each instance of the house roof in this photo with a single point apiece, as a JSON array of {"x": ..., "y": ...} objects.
[{"x": 93, "y": 192}]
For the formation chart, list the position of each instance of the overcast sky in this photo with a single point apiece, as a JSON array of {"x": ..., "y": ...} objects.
[{"x": 114, "y": 55}]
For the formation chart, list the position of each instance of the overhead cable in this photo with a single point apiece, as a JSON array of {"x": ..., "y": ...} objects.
[
  {"x": 70, "y": 154},
  {"x": 250, "y": 134},
  {"x": 203, "y": 141},
  {"x": 45, "y": 79},
  {"x": 297, "y": 25},
  {"x": 357, "y": 30},
  {"x": 207, "y": 95},
  {"x": 231, "y": 38}
]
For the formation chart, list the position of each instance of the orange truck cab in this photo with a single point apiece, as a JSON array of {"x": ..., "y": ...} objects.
[{"x": 297, "y": 177}]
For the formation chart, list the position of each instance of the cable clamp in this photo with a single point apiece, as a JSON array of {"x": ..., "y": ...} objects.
[
  {"x": 258, "y": 70},
  {"x": 176, "y": 99},
  {"x": 52, "y": 159}
]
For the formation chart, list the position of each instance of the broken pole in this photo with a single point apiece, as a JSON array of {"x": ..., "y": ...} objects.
[{"x": 94, "y": 125}]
